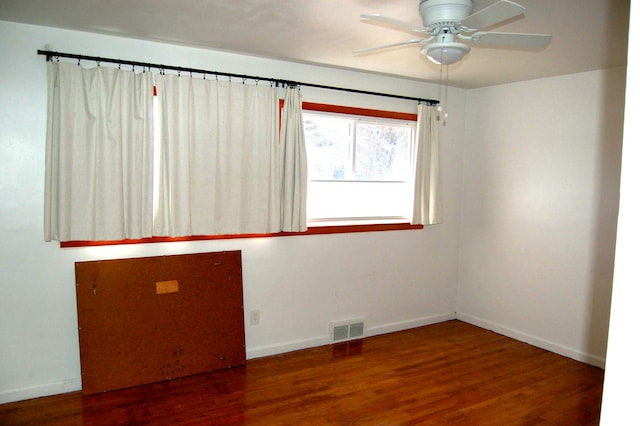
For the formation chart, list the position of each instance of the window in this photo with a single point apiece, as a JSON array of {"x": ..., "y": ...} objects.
[
  {"x": 359, "y": 165},
  {"x": 360, "y": 174}
]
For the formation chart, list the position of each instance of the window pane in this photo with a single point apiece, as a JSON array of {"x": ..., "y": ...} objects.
[
  {"x": 382, "y": 152},
  {"x": 328, "y": 144}
]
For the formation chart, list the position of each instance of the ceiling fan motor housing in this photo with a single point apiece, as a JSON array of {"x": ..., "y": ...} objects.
[{"x": 444, "y": 13}]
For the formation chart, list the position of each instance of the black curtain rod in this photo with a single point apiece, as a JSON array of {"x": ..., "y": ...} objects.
[{"x": 50, "y": 55}]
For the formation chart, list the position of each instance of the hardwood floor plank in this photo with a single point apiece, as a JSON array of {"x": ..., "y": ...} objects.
[{"x": 450, "y": 373}]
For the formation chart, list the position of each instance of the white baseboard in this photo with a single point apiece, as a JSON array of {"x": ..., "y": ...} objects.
[
  {"x": 75, "y": 384},
  {"x": 406, "y": 325},
  {"x": 65, "y": 386},
  {"x": 280, "y": 348},
  {"x": 533, "y": 340}
]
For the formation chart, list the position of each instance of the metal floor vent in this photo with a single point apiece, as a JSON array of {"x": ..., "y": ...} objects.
[{"x": 346, "y": 330}]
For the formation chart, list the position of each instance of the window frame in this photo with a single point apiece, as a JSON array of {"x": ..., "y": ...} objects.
[
  {"x": 354, "y": 112},
  {"x": 321, "y": 229}
]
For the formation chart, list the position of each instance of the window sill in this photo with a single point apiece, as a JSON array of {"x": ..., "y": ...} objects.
[{"x": 317, "y": 229}]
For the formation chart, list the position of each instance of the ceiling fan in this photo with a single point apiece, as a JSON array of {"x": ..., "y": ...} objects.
[{"x": 445, "y": 21}]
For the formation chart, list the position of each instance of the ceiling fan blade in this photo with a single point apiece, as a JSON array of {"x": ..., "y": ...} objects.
[
  {"x": 387, "y": 46},
  {"x": 533, "y": 41},
  {"x": 497, "y": 12},
  {"x": 393, "y": 23}
]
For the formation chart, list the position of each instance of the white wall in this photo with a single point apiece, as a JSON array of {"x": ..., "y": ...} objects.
[
  {"x": 619, "y": 401},
  {"x": 395, "y": 280},
  {"x": 541, "y": 177}
]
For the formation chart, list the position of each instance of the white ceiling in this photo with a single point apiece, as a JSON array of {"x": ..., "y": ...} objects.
[{"x": 587, "y": 34}]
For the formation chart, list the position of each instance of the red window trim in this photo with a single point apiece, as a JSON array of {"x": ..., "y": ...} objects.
[
  {"x": 341, "y": 109},
  {"x": 316, "y": 230}
]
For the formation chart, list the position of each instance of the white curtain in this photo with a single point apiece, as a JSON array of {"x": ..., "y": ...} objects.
[
  {"x": 427, "y": 204},
  {"x": 294, "y": 164},
  {"x": 219, "y": 158},
  {"x": 98, "y": 175}
]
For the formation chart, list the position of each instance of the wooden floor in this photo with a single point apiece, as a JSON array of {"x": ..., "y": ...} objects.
[{"x": 450, "y": 373}]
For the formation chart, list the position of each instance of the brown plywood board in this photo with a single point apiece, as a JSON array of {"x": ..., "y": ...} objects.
[{"x": 145, "y": 320}]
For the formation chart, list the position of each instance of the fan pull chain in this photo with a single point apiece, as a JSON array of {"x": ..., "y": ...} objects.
[
  {"x": 446, "y": 99},
  {"x": 440, "y": 93},
  {"x": 442, "y": 108}
]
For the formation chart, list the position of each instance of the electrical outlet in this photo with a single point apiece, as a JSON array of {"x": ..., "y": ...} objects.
[{"x": 254, "y": 317}]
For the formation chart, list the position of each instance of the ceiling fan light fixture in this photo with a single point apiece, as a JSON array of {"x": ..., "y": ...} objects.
[{"x": 445, "y": 53}]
